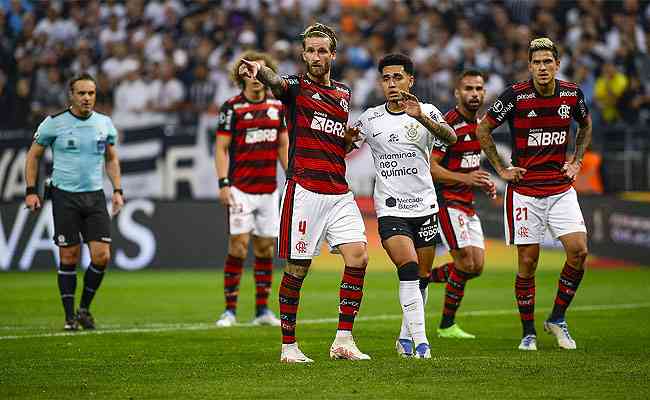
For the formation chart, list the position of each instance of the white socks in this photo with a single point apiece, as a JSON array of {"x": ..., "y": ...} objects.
[{"x": 413, "y": 312}]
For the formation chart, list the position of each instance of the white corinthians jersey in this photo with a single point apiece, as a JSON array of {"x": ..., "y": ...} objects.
[{"x": 401, "y": 148}]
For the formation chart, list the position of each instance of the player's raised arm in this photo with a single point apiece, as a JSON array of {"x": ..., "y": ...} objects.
[
  {"x": 484, "y": 133},
  {"x": 265, "y": 75},
  {"x": 440, "y": 129}
]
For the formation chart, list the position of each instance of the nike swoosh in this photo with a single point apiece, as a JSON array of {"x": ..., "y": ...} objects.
[
  {"x": 373, "y": 135},
  {"x": 409, "y": 305},
  {"x": 429, "y": 239}
]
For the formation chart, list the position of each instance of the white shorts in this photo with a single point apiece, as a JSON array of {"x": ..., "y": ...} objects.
[
  {"x": 526, "y": 218},
  {"x": 257, "y": 213},
  {"x": 459, "y": 229},
  {"x": 308, "y": 218}
]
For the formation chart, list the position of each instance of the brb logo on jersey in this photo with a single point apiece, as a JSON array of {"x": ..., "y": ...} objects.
[
  {"x": 470, "y": 161},
  {"x": 261, "y": 135},
  {"x": 537, "y": 139},
  {"x": 320, "y": 122}
]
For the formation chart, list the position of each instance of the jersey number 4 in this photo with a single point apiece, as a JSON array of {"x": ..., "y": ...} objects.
[{"x": 302, "y": 227}]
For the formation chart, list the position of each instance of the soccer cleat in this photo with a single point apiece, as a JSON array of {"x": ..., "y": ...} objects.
[
  {"x": 454, "y": 332},
  {"x": 344, "y": 348},
  {"x": 71, "y": 325},
  {"x": 266, "y": 318},
  {"x": 423, "y": 350},
  {"x": 227, "y": 319},
  {"x": 405, "y": 347},
  {"x": 561, "y": 331},
  {"x": 528, "y": 342},
  {"x": 291, "y": 354},
  {"x": 85, "y": 319}
]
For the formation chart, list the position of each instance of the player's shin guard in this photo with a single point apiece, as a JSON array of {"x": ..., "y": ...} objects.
[
  {"x": 441, "y": 274},
  {"x": 263, "y": 279},
  {"x": 67, "y": 280},
  {"x": 525, "y": 294},
  {"x": 350, "y": 293},
  {"x": 92, "y": 279},
  {"x": 412, "y": 302},
  {"x": 568, "y": 284},
  {"x": 289, "y": 300},
  {"x": 454, "y": 292},
  {"x": 231, "y": 276}
]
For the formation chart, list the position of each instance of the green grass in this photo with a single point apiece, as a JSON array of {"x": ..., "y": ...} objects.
[{"x": 177, "y": 353}]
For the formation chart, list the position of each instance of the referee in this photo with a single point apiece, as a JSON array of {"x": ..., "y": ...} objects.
[{"x": 83, "y": 142}]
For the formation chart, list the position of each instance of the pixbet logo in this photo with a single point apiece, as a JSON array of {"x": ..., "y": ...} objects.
[{"x": 546, "y": 138}]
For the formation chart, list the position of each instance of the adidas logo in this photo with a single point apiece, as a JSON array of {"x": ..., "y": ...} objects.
[
  {"x": 532, "y": 114},
  {"x": 467, "y": 138},
  {"x": 316, "y": 96},
  {"x": 248, "y": 116}
]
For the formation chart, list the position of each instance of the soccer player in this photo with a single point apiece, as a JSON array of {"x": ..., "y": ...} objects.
[
  {"x": 317, "y": 204},
  {"x": 83, "y": 144},
  {"x": 401, "y": 135},
  {"x": 455, "y": 170},
  {"x": 539, "y": 193},
  {"x": 251, "y": 137}
]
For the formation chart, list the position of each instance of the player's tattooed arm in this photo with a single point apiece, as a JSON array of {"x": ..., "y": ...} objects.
[
  {"x": 583, "y": 140},
  {"x": 484, "y": 133},
  {"x": 442, "y": 130},
  {"x": 265, "y": 75}
]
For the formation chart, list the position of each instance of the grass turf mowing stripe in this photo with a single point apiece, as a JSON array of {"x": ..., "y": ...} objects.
[{"x": 156, "y": 328}]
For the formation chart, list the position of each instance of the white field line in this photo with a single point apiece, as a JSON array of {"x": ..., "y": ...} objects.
[{"x": 156, "y": 328}]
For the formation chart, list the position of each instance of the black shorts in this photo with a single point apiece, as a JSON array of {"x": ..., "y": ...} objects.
[
  {"x": 422, "y": 230},
  {"x": 80, "y": 213}
]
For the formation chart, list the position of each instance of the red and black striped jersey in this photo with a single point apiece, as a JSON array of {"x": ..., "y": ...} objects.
[
  {"x": 317, "y": 117},
  {"x": 540, "y": 130},
  {"x": 253, "y": 129},
  {"x": 464, "y": 156}
]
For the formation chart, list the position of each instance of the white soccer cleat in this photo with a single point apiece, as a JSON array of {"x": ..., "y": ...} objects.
[
  {"x": 292, "y": 354},
  {"x": 227, "y": 319},
  {"x": 423, "y": 350},
  {"x": 344, "y": 348},
  {"x": 560, "y": 330},
  {"x": 528, "y": 343},
  {"x": 267, "y": 318},
  {"x": 405, "y": 347}
]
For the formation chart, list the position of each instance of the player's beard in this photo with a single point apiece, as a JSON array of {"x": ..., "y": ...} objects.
[{"x": 319, "y": 72}]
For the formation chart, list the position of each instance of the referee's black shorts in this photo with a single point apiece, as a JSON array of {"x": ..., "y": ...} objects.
[
  {"x": 422, "y": 230},
  {"x": 82, "y": 213}
]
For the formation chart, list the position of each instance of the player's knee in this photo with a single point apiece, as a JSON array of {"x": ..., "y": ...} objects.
[
  {"x": 579, "y": 254},
  {"x": 100, "y": 257},
  {"x": 528, "y": 262},
  {"x": 69, "y": 255},
  {"x": 360, "y": 259},
  {"x": 238, "y": 248}
]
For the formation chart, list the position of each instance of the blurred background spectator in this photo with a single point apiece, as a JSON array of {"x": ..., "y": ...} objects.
[{"x": 167, "y": 61}]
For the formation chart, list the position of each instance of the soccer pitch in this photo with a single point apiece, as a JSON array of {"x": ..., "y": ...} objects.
[{"x": 157, "y": 339}]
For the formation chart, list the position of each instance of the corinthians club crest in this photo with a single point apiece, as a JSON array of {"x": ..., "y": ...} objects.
[{"x": 412, "y": 132}]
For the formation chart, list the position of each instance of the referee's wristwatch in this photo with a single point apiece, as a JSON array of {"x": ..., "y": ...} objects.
[
  {"x": 120, "y": 191},
  {"x": 224, "y": 182}
]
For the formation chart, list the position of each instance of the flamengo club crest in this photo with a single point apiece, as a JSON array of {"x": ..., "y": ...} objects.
[
  {"x": 564, "y": 111},
  {"x": 344, "y": 105},
  {"x": 412, "y": 132}
]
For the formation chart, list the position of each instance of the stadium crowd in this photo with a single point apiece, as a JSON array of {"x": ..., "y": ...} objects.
[{"x": 168, "y": 61}]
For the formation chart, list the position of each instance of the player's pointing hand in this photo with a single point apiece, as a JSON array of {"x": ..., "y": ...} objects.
[{"x": 248, "y": 69}]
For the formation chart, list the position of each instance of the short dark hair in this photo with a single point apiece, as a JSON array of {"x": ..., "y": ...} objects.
[
  {"x": 396, "y": 59},
  {"x": 469, "y": 72},
  {"x": 540, "y": 44},
  {"x": 81, "y": 77},
  {"x": 320, "y": 30}
]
